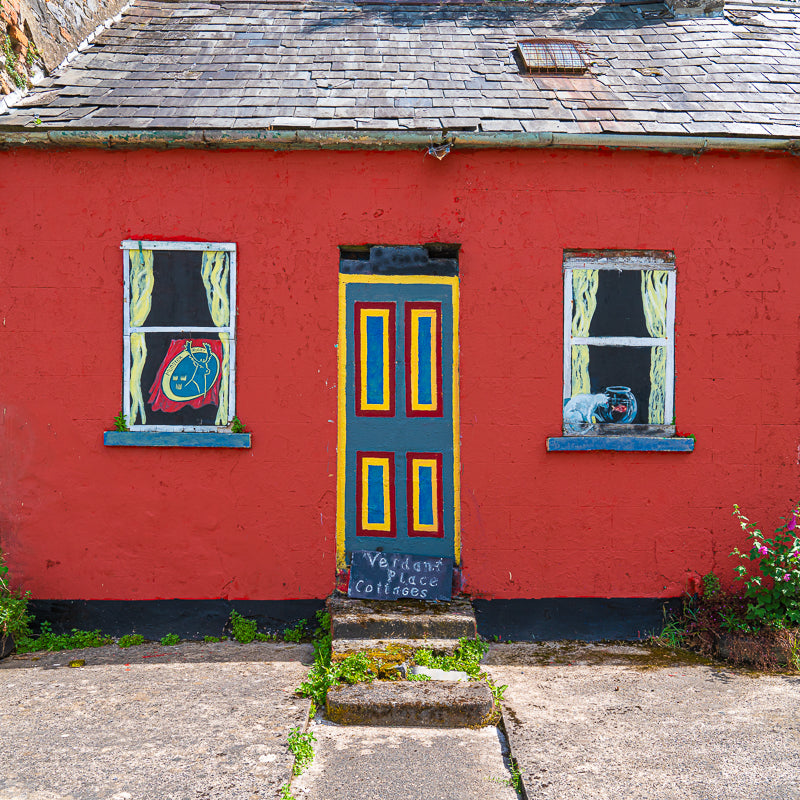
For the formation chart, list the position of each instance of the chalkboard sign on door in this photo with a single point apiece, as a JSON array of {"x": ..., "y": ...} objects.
[{"x": 397, "y": 576}]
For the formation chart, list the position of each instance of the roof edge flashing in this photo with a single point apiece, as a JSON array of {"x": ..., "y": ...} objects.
[{"x": 303, "y": 139}]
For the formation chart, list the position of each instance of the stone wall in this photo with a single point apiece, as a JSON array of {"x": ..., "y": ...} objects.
[{"x": 38, "y": 34}]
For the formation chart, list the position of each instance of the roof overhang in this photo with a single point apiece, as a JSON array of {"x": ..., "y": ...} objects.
[{"x": 285, "y": 139}]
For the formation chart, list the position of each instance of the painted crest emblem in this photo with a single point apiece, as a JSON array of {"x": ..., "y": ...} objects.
[{"x": 189, "y": 375}]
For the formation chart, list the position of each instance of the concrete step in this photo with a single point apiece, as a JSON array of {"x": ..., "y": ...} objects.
[
  {"x": 390, "y": 651},
  {"x": 434, "y": 704},
  {"x": 400, "y": 619}
]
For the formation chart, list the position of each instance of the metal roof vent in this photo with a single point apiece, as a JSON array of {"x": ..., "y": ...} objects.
[{"x": 551, "y": 56}]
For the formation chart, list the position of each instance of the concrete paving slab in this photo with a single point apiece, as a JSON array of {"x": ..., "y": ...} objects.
[
  {"x": 585, "y": 725},
  {"x": 190, "y": 722},
  {"x": 365, "y": 763}
]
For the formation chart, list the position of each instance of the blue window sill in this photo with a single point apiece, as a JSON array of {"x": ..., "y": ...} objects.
[
  {"x": 175, "y": 439},
  {"x": 637, "y": 444}
]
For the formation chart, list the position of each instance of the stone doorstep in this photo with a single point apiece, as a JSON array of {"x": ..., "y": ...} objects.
[
  {"x": 390, "y": 651},
  {"x": 400, "y": 619},
  {"x": 433, "y": 704}
]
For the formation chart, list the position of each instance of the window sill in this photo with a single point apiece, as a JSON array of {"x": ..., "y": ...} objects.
[
  {"x": 175, "y": 439},
  {"x": 638, "y": 444}
]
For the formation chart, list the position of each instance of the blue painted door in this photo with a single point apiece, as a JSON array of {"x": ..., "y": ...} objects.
[{"x": 398, "y": 435}]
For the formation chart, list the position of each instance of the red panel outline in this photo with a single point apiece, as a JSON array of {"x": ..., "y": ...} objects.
[
  {"x": 439, "y": 533},
  {"x": 360, "y": 455},
  {"x": 438, "y": 372},
  {"x": 357, "y": 307}
]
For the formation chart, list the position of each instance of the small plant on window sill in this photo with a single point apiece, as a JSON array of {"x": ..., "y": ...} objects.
[
  {"x": 120, "y": 423},
  {"x": 237, "y": 426}
]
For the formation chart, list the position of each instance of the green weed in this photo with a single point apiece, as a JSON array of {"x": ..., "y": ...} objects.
[
  {"x": 295, "y": 634},
  {"x": 215, "y": 638},
  {"x": 497, "y": 691},
  {"x": 14, "y": 617},
  {"x": 466, "y": 657},
  {"x": 75, "y": 640},
  {"x": 130, "y": 639},
  {"x": 515, "y": 781},
  {"x": 244, "y": 630},
  {"x": 286, "y": 792},
  {"x": 170, "y": 639},
  {"x": 301, "y": 747},
  {"x": 120, "y": 423}
]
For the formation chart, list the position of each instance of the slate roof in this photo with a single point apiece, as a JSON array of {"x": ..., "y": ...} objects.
[{"x": 353, "y": 66}]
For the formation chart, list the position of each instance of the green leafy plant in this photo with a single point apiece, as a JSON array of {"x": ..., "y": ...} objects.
[
  {"x": 170, "y": 639},
  {"x": 215, "y": 638},
  {"x": 14, "y": 617},
  {"x": 466, "y": 657},
  {"x": 497, "y": 691},
  {"x": 130, "y": 640},
  {"x": 120, "y": 423},
  {"x": 74, "y": 640},
  {"x": 302, "y": 748},
  {"x": 515, "y": 781},
  {"x": 244, "y": 630},
  {"x": 773, "y": 592},
  {"x": 296, "y": 633},
  {"x": 711, "y": 585},
  {"x": 286, "y": 792},
  {"x": 11, "y": 63},
  {"x": 516, "y": 775},
  {"x": 355, "y": 668},
  {"x": 237, "y": 426},
  {"x": 322, "y": 674}
]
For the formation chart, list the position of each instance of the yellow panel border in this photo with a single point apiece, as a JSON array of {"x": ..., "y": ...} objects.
[
  {"x": 386, "y": 403},
  {"x": 341, "y": 438},
  {"x": 383, "y": 463},
  {"x": 416, "y": 463},
  {"x": 416, "y": 315}
]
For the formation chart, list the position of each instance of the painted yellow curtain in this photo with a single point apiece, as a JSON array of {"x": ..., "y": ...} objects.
[
  {"x": 215, "y": 269},
  {"x": 584, "y": 303},
  {"x": 654, "y": 300},
  {"x": 140, "y": 276}
]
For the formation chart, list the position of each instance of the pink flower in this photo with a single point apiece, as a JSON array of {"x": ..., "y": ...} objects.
[
  {"x": 792, "y": 522},
  {"x": 763, "y": 550},
  {"x": 787, "y": 577}
]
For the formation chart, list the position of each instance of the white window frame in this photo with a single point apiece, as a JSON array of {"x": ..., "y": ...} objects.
[
  {"x": 136, "y": 244},
  {"x": 622, "y": 260}
]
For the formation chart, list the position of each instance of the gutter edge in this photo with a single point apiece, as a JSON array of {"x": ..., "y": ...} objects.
[{"x": 305, "y": 139}]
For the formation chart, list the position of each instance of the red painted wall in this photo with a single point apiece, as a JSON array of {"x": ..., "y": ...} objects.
[{"x": 82, "y": 520}]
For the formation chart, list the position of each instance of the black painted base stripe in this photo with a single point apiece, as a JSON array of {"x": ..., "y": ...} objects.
[
  {"x": 524, "y": 620},
  {"x": 190, "y": 619},
  {"x": 588, "y": 619}
]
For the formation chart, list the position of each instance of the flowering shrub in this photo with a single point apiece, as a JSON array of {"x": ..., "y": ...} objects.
[{"x": 773, "y": 596}]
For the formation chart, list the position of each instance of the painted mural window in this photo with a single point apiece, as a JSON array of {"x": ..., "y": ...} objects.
[
  {"x": 619, "y": 319},
  {"x": 179, "y": 338}
]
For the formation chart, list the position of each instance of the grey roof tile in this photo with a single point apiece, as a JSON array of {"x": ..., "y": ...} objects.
[{"x": 384, "y": 66}]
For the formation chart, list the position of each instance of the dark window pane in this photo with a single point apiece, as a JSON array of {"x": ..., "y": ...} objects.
[
  {"x": 619, "y": 309},
  {"x": 179, "y": 297},
  {"x": 622, "y": 366}
]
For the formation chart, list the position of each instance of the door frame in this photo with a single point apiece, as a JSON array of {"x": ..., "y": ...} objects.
[{"x": 341, "y": 453}]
